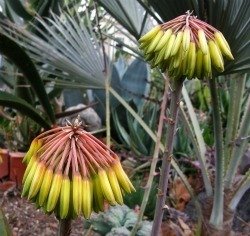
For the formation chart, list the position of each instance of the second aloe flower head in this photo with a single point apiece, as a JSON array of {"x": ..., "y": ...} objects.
[
  {"x": 70, "y": 172},
  {"x": 186, "y": 47}
]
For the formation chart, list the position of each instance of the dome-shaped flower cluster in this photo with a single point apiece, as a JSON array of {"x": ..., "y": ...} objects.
[
  {"x": 186, "y": 46},
  {"x": 70, "y": 172}
]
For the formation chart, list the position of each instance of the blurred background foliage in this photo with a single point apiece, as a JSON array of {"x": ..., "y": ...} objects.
[{"x": 48, "y": 47}]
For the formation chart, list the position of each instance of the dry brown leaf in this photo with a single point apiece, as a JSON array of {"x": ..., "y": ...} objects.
[
  {"x": 169, "y": 228},
  {"x": 179, "y": 194},
  {"x": 186, "y": 230}
]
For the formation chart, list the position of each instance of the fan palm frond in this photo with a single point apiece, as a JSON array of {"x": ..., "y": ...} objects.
[
  {"x": 130, "y": 14},
  {"x": 67, "y": 50}
]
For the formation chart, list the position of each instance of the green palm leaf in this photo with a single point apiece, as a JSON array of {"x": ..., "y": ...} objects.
[
  {"x": 130, "y": 14},
  {"x": 68, "y": 49},
  {"x": 9, "y": 100},
  {"x": 16, "y": 54},
  {"x": 19, "y": 9},
  {"x": 169, "y": 9}
]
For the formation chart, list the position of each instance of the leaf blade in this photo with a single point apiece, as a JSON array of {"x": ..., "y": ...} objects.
[{"x": 9, "y": 100}]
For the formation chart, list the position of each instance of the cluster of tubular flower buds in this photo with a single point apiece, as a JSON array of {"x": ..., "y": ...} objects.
[
  {"x": 186, "y": 46},
  {"x": 70, "y": 172}
]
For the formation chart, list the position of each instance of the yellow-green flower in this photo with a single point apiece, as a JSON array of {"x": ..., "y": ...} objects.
[
  {"x": 186, "y": 47},
  {"x": 70, "y": 172}
]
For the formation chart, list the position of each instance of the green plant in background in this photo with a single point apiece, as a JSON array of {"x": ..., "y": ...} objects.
[
  {"x": 18, "y": 132},
  {"x": 81, "y": 64},
  {"x": 134, "y": 199},
  {"x": 118, "y": 220},
  {"x": 130, "y": 131},
  {"x": 4, "y": 226},
  {"x": 132, "y": 83}
]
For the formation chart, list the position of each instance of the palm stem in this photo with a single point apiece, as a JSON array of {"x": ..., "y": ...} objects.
[
  {"x": 240, "y": 146},
  {"x": 163, "y": 184},
  {"x": 197, "y": 141},
  {"x": 154, "y": 159},
  {"x": 216, "y": 218},
  {"x": 64, "y": 227},
  {"x": 237, "y": 85},
  {"x": 244, "y": 186}
]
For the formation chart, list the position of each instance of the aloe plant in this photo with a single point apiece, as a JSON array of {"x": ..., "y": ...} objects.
[
  {"x": 228, "y": 16},
  {"x": 117, "y": 220}
]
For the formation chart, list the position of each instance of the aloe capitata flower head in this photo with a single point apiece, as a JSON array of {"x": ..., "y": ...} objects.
[
  {"x": 186, "y": 47},
  {"x": 70, "y": 172}
]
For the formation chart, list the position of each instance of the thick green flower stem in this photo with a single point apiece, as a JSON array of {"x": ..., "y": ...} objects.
[
  {"x": 195, "y": 135},
  {"x": 237, "y": 86},
  {"x": 64, "y": 227},
  {"x": 154, "y": 159},
  {"x": 240, "y": 146},
  {"x": 163, "y": 184},
  {"x": 240, "y": 192},
  {"x": 216, "y": 218}
]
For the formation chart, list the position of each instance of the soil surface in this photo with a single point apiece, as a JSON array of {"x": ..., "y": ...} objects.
[{"x": 26, "y": 220}]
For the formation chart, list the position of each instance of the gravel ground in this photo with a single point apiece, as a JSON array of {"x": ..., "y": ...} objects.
[{"x": 26, "y": 220}]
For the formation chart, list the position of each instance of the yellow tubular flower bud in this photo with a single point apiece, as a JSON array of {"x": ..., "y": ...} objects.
[
  {"x": 77, "y": 193},
  {"x": 169, "y": 46},
  {"x": 115, "y": 186},
  {"x": 64, "y": 197},
  {"x": 106, "y": 188},
  {"x": 29, "y": 166},
  {"x": 191, "y": 60},
  {"x": 87, "y": 197},
  {"x": 202, "y": 41},
  {"x": 177, "y": 43},
  {"x": 223, "y": 45},
  {"x": 164, "y": 39},
  {"x": 28, "y": 180},
  {"x": 161, "y": 54},
  {"x": 186, "y": 39},
  {"x": 150, "y": 34},
  {"x": 155, "y": 41},
  {"x": 216, "y": 57},
  {"x": 199, "y": 62},
  {"x": 45, "y": 187},
  {"x": 178, "y": 58},
  {"x": 207, "y": 64},
  {"x": 123, "y": 178},
  {"x": 98, "y": 199},
  {"x": 54, "y": 192},
  {"x": 37, "y": 180}
]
